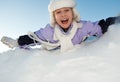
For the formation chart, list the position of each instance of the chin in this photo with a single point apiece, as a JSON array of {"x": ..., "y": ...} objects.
[{"x": 65, "y": 27}]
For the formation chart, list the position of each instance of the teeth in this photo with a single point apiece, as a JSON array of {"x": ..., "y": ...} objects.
[{"x": 65, "y": 20}]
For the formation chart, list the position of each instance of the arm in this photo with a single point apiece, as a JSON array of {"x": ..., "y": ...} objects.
[
  {"x": 21, "y": 41},
  {"x": 24, "y": 40},
  {"x": 105, "y": 23},
  {"x": 44, "y": 34}
]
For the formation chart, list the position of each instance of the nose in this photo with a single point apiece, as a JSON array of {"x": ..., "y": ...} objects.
[{"x": 63, "y": 14}]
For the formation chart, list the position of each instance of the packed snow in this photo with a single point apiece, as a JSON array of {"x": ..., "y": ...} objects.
[{"x": 94, "y": 61}]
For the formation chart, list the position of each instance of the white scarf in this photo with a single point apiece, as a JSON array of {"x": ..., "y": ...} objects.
[{"x": 65, "y": 40}]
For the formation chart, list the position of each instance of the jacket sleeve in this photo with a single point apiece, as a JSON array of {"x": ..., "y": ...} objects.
[
  {"x": 105, "y": 23},
  {"x": 45, "y": 34},
  {"x": 91, "y": 29}
]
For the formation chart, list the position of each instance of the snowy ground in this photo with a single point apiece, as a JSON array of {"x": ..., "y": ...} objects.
[{"x": 98, "y": 61}]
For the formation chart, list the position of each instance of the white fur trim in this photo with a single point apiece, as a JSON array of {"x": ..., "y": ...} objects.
[
  {"x": 57, "y": 4},
  {"x": 76, "y": 15}
]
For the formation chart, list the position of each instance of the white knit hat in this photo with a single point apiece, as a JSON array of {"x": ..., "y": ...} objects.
[{"x": 57, "y": 4}]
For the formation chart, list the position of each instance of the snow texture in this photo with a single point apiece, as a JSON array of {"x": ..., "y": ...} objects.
[{"x": 96, "y": 61}]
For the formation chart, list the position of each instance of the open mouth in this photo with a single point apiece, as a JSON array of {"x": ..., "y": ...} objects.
[{"x": 65, "y": 21}]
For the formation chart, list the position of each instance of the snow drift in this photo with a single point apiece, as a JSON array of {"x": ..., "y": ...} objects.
[{"x": 96, "y": 61}]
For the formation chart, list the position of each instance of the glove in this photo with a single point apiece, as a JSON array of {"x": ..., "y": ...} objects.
[
  {"x": 109, "y": 21},
  {"x": 117, "y": 19},
  {"x": 9, "y": 42}
]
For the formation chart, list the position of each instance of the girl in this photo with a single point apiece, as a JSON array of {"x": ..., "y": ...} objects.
[{"x": 65, "y": 29}]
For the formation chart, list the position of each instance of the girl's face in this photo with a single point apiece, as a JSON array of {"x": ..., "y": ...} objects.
[{"x": 64, "y": 17}]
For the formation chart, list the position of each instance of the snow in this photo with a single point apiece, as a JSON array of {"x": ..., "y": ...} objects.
[
  {"x": 96, "y": 61},
  {"x": 3, "y": 48}
]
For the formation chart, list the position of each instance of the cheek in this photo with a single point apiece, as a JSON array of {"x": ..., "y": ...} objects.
[
  {"x": 71, "y": 15},
  {"x": 57, "y": 18}
]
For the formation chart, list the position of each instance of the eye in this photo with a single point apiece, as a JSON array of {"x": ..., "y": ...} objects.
[
  {"x": 66, "y": 10},
  {"x": 58, "y": 12}
]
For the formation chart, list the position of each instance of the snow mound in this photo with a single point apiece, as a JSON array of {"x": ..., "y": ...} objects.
[{"x": 97, "y": 61}]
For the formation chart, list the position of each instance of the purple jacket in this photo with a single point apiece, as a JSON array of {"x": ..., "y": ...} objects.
[{"x": 88, "y": 29}]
